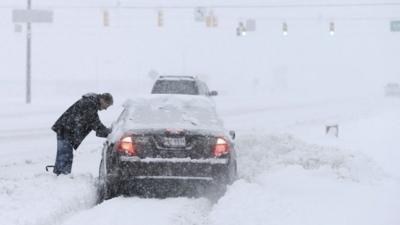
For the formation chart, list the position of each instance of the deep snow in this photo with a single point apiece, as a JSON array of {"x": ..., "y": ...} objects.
[
  {"x": 278, "y": 94},
  {"x": 290, "y": 172}
]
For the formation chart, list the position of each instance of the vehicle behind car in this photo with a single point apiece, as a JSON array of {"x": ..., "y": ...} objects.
[
  {"x": 185, "y": 85},
  {"x": 392, "y": 90},
  {"x": 168, "y": 145}
]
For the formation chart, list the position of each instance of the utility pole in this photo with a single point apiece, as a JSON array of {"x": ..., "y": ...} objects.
[
  {"x": 30, "y": 16},
  {"x": 28, "y": 58}
]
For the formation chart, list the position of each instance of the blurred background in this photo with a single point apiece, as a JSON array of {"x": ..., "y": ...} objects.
[{"x": 315, "y": 49}]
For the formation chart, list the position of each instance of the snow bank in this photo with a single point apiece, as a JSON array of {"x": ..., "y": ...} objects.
[
  {"x": 275, "y": 152},
  {"x": 44, "y": 198},
  {"x": 287, "y": 181},
  {"x": 308, "y": 197}
]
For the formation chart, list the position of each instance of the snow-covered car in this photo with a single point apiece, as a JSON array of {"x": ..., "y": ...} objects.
[
  {"x": 392, "y": 89},
  {"x": 186, "y": 85},
  {"x": 168, "y": 145}
]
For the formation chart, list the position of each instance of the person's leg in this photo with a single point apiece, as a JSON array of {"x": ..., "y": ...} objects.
[
  {"x": 64, "y": 157},
  {"x": 68, "y": 158},
  {"x": 57, "y": 164}
]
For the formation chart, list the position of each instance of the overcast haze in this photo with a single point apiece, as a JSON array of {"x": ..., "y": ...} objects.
[
  {"x": 278, "y": 92},
  {"x": 360, "y": 58}
]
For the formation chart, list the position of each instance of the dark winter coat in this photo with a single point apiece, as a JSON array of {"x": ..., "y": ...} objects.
[{"x": 81, "y": 118}]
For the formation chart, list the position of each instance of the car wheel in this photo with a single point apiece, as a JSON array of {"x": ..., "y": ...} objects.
[
  {"x": 233, "y": 174},
  {"x": 106, "y": 190}
]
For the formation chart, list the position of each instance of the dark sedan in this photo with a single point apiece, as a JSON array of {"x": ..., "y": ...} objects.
[{"x": 168, "y": 145}]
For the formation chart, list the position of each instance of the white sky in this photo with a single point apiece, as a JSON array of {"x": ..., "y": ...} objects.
[{"x": 361, "y": 57}]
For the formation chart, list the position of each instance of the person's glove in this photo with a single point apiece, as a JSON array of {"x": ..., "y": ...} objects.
[{"x": 109, "y": 130}]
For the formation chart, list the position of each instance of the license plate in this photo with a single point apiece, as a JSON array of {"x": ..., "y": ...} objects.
[{"x": 174, "y": 142}]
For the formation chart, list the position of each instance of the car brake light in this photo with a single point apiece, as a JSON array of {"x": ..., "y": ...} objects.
[
  {"x": 221, "y": 147},
  {"x": 127, "y": 146}
]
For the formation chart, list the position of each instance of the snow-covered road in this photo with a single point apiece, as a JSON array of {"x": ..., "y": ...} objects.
[
  {"x": 290, "y": 171},
  {"x": 278, "y": 92}
]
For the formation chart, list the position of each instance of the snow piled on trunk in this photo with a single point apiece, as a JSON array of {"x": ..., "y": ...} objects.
[{"x": 168, "y": 111}]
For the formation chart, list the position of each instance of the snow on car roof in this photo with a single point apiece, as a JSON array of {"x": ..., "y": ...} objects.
[
  {"x": 176, "y": 77},
  {"x": 168, "y": 111}
]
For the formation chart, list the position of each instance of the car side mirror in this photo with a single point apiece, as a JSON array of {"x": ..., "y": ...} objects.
[
  {"x": 233, "y": 134},
  {"x": 213, "y": 93}
]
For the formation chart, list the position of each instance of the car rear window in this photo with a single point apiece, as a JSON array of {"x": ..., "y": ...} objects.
[
  {"x": 156, "y": 112},
  {"x": 186, "y": 87}
]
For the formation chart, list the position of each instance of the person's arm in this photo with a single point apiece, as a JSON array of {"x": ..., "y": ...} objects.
[{"x": 99, "y": 128}]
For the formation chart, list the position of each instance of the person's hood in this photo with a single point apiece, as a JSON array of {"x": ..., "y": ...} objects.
[{"x": 93, "y": 97}]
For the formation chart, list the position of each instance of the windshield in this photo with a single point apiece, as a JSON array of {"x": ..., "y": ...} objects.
[{"x": 186, "y": 87}]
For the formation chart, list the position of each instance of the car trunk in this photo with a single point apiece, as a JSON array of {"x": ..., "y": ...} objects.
[{"x": 173, "y": 144}]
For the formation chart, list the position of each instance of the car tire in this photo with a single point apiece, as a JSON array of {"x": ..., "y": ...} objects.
[
  {"x": 234, "y": 175},
  {"x": 106, "y": 189}
]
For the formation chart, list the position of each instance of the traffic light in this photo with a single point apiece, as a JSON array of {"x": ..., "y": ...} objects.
[
  {"x": 332, "y": 28},
  {"x": 241, "y": 29},
  {"x": 106, "y": 18},
  {"x": 285, "y": 29},
  {"x": 160, "y": 18}
]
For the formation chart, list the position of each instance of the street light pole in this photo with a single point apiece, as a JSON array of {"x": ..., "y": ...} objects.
[{"x": 28, "y": 58}]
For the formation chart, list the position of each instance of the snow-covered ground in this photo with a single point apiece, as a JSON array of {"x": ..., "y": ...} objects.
[
  {"x": 290, "y": 171},
  {"x": 278, "y": 94}
]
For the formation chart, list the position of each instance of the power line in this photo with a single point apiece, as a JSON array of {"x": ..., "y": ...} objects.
[
  {"x": 222, "y": 6},
  {"x": 237, "y": 6}
]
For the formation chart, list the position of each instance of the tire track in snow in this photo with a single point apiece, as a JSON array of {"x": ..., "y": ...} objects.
[
  {"x": 134, "y": 210},
  {"x": 193, "y": 213}
]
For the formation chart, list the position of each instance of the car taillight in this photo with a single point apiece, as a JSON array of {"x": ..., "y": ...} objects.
[
  {"x": 221, "y": 147},
  {"x": 127, "y": 146}
]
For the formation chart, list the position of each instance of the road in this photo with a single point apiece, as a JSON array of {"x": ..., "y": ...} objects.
[{"x": 290, "y": 172}]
